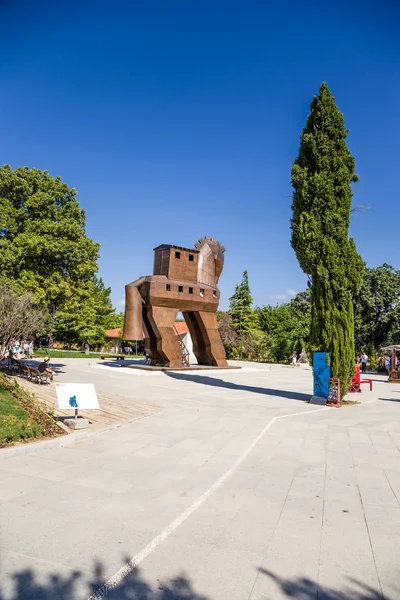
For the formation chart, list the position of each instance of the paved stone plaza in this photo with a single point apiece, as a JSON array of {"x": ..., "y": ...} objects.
[{"x": 235, "y": 490}]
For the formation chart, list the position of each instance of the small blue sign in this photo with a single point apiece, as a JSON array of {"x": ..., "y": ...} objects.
[
  {"x": 72, "y": 402},
  {"x": 322, "y": 373}
]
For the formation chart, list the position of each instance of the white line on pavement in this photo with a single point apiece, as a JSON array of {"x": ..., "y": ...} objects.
[{"x": 116, "y": 579}]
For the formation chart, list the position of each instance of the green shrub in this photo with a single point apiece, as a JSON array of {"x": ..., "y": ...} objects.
[
  {"x": 21, "y": 415},
  {"x": 14, "y": 428}
]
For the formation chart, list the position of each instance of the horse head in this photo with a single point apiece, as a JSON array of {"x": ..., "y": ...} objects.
[{"x": 211, "y": 261}]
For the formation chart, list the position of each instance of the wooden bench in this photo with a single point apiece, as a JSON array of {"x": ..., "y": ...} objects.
[
  {"x": 367, "y": 381},
  {"x": 37, "y": 376},
  {"x": 23, "y": 370},
  {"x": 355, "y": 384}
]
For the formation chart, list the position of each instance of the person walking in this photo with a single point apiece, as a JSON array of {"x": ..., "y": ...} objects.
[
  {"x": 364, "y": 359},
  {"x": 294, "y": 359},
  {"x": 147, "y": 358},
  {"x": 387, "y": 363}
]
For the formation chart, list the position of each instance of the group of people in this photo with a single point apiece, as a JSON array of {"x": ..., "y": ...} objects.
[
  {"x": 128, "y": 350},
  {"x": 362, "y": 360},
  {"x": 385, "y": 362},
  {"x": 297, "y": 359},
  {"x": 20, "y": 349}
]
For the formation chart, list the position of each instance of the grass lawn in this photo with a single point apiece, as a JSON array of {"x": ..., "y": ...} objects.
[
  {"x": 15, "y": 422},
  {"x": 76, "y": 354}
]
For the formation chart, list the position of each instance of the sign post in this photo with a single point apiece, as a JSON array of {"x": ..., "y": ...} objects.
[{"x": 76, "y": 396}]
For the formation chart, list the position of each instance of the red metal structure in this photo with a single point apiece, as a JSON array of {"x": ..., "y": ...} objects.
[{"x": 355, "y": 384}]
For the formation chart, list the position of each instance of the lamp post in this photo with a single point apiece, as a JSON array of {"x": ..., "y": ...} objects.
[{"x": 53, "y": 312}]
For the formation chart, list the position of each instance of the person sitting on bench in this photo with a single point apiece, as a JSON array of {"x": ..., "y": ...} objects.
[{"x": 44, "y": 367}]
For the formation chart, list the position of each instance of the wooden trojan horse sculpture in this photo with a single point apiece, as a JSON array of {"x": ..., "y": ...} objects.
[{"x": 183, "y": 280}]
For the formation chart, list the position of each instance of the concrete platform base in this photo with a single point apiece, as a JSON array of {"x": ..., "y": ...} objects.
[
  {"x": 318, "y": 400},
  {"x": 191, "y": 368},
  {"x": 78, "y": 423}
]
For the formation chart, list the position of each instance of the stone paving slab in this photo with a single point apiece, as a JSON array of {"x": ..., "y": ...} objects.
[{"x": 312, "y": 511}]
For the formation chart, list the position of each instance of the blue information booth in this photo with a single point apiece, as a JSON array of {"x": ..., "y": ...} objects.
[{"x": 322, "y": 373}]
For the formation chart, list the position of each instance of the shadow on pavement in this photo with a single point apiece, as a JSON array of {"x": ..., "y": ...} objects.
[
  {"x": 303, "y": 588},
  {"x": 28, "y": 585},
  {"x": 122, "y": 363},
  {"x": 56, "y": 366},
  {"x": 389, "y": 399},
  {"x": 212, "y": 381},
  {"x": 374, "y": 377}
]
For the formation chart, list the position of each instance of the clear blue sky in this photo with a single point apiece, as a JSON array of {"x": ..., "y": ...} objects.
[{"x": 177, "y": 119}]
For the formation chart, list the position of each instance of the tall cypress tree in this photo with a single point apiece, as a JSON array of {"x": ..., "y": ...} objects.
[
  {"x": 240, "y": 306},
  {"x": 321, "y": 177}
]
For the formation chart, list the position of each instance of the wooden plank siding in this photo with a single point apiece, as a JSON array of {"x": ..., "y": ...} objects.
[{"x": 182, "y": 269}]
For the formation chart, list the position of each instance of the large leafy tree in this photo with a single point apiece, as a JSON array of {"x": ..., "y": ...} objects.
[
  {"x": 85, "y": 315},
  {"x": 44, "y": 250},
  {"x": 240, "y": 310},
  {"x": 321, "y": 177},
  {"x": 377, "y": 309},
  {"x": 287, "y": 325}
]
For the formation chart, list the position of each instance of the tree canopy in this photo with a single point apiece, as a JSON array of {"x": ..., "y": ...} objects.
[
  {"x": 377, "y": 309},
  {"x": 287, "y": 326},
  {"x": 321, "y": 177},
  {"x": 44, "y": 249},
  {"x": 279, "y": 330},
  {"x": 115, "y": 320}
]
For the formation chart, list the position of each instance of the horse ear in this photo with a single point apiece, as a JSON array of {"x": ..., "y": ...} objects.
[{"x": 216, "y": 246}]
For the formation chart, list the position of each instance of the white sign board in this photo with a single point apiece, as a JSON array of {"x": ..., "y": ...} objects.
[{"x": 76, "y": 395}]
